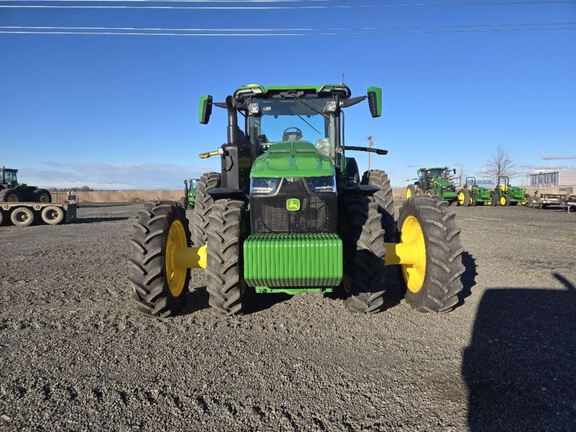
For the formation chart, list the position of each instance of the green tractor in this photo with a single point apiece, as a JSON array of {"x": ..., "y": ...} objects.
[
  {"x": 434, "y": 182},
  {"x": 505, "y": 195},
  {"x": 188, "y": 200},
  {"x": 12, "y": 191},
  {"x": 290, "y": 213},
  {"x": 472, "y": 195}
]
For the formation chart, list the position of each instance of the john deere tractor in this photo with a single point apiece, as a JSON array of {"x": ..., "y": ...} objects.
[
  {"x": 290, "y": 213},
  {"x": 188, "y": 200},
  {"x": 434, "y": 182},
  {"x": 471, "y": 194},
  {"x": 12, "y": 191},
  {"x": 506, "y": 195}
]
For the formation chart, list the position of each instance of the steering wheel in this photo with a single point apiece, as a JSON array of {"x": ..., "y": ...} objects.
[{"x": 292, "y": 134}]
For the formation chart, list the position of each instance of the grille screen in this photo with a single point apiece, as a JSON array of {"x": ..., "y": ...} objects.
[{"x": 318, "y": 212}]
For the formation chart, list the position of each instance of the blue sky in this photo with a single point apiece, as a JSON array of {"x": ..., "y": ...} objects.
[{"x": 459, "y": 78}]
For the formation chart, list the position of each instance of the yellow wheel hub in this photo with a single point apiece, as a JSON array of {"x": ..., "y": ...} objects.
[
  {"x": 408, "y": 192},
  {"x": 502, "y": 200},
  {"x": 175, "y": 273},
  {"x": 410, "y": 253},
  {"x": 461, "y": 198}
]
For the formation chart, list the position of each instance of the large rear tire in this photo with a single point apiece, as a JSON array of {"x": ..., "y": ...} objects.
[
  {"x": 384, "y": 199},
  {"x": 463, "y": 198},
  {"x": 434, "y": 283},
  {"x": 158, "y": 287},
  {"x": 410, "y": 191},
  {"x": 364, "y": 284},
  {"x": 22, "y": 216},
  {"x": 203, "y": 206},
  {"x": 9, "y": 195},
  {"x": 226, "y": 287}
]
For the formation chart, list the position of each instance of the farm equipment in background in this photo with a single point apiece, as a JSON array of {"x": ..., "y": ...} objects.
[
  {"x": 437, "y": 182},
  {"x": 188, "y": 200},
  {"x": 11, "y": 191},
  {"x": 290, "y": 213},
  {"x": 23, "y": 214},
  {"x": 471, "y": 194},
  {"x": 505, "y": 195}
]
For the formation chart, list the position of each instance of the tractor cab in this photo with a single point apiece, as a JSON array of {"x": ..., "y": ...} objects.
[
  {"x": 287, "y": 131},
  {"x": 8, "y": 177},
  {"x": 504, "y": 183}
]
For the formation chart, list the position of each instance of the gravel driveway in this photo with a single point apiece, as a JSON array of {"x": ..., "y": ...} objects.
[{"x": 75, "y": 355}]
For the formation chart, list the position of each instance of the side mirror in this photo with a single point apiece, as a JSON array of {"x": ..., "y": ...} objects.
[
  {"x": 204, "y": 109},
  {"x": 375, "y": 101}
]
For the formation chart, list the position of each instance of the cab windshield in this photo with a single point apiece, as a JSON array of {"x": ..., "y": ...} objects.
[{"x": 294, "y": 119}]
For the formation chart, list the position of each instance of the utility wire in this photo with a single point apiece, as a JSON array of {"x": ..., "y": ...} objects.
[
  {"x": 182, "y": 32},
  {"x": 296, "y": 7}
]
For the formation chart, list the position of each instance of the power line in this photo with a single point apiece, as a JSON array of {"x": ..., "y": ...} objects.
[
  {"x": 224, "y": 32},
  {"x": 268, "y": 8}
]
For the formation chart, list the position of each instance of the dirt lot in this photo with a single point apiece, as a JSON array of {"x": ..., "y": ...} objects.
[{"x": 76, "y": 356}]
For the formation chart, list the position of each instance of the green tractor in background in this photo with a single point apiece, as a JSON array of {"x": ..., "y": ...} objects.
[
  {"x": 472, "y": 195},
  {"x": 12, "y": 191},
  {"x": 290, "y": 213},
  {"x": 505, "y": 195},
  {"x": 434, "y": 182},
  {"x": 188, "y": 200}
]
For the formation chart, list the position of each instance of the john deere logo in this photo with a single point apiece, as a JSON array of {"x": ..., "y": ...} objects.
[{"x": 293, "y": 204}]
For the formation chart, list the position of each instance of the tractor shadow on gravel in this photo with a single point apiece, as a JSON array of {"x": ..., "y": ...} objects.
[
  {"x": 520, "y": 364},
  {"x": 468, "y": 278},
  {"x": 197, "y": 300}
]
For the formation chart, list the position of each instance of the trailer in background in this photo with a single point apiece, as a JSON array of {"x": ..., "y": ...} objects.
[{"x": 26, "y": 213}]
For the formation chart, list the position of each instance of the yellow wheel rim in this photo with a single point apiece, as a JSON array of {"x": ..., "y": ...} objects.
[
  {"x": 413, "y": 235},
  {"x": 502, "y": 200},
  {"x": 176, "y": 275},
  {"x": 461, "y": 198},
  {"x": 12, "y": 198},
  {"x": 408, "y": 192}
]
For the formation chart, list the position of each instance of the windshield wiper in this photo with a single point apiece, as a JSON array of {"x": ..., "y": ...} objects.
[{"x": 305, "y": 121}]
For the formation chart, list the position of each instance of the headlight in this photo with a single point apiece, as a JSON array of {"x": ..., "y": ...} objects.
[
  {"x": 322, "y": 184},
  {"x": 263, "y": 186}
]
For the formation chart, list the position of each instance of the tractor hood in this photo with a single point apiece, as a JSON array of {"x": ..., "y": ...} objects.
[{"x": 292, "y": 159}]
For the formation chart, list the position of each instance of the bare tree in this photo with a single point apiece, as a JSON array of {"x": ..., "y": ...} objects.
[{"x": 500, "y": 164}]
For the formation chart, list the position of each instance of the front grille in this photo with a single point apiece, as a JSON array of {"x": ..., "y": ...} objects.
[{"x": 318, "y": 212}]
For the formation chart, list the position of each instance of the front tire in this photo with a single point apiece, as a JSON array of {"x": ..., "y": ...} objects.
[
  {"x": 41, "y": 196},
  {"x": 434, "y": 281},
  {"x": 158, "y": 287},
  {"x": 203, "y": 206},
  {"x": 226, "y": 287}
]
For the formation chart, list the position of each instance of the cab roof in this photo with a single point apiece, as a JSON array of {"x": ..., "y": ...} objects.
[{"x": 323, "y": 89}]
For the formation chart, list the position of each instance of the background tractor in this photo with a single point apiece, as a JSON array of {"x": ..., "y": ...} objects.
[
  {"x": 506, "y": 195},
  {"x": 434, "y": 182},
  {"x": 290, "y": 213},
  {"x": 12, "y": 191},
  {"x": 471, "y": 194},
  {"x": 188, "y": 200}
]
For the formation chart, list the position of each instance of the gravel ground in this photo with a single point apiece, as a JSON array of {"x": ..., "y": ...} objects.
[{"x": 76, "y": 356}]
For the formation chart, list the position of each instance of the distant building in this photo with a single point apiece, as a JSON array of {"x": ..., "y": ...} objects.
[{"x": 553, "y": 178}]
